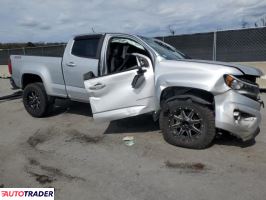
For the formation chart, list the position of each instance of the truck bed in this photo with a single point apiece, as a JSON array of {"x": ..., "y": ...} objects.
[{"x": 47, "y": 68}]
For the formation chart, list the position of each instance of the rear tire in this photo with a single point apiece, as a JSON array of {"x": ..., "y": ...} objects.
[
  {"x": 187, "y": 124},
  {"x": 35, "y": 100}
]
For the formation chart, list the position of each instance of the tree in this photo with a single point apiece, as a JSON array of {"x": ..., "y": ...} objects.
[
  {"x": 244, "y": 24},
  {"x": 261, "y": 22},
  {"x": 171, "y": 30},
  {"x": 30, "y": 44}
]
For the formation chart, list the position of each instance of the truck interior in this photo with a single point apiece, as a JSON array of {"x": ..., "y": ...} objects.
[{"x": 119, "y": 54}]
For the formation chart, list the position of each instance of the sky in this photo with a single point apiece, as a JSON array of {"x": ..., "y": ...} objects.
[{"x": 58, "y": 20}]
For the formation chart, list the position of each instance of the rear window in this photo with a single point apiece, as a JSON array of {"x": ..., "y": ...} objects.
[{"x": 86, "y": 48}]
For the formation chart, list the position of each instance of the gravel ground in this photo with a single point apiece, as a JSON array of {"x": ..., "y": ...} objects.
[{"x": 82, "y": 159}]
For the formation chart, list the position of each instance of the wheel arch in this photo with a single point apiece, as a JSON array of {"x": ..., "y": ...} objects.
[
  {"x": 187, "y": 93},
  {"x": 29, "y": 78}
]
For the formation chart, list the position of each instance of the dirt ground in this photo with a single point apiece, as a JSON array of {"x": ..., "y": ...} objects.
[{"x": 85, "y": 160}]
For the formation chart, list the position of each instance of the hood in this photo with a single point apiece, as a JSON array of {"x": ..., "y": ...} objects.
[{"x": 244, "y": 69}]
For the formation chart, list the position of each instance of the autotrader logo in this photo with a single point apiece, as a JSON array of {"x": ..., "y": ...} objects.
[{"x": 27, "y": 193}]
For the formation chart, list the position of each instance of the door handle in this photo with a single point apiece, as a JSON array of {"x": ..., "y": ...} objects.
[
  {"x": 97, "y": 86},
  {"x": 71, "y": 64}
]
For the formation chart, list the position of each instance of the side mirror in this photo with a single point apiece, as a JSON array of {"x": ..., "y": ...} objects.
[
  {"x": 138, "y": 81},
  {"x": 142, "y": 61},
  {"x": 88, "y": 76}
]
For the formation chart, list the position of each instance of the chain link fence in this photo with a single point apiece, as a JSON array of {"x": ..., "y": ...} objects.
[
  {"x": 244, "y": 45},
  {"x": 51, "y": 51},
  {"x": 196, "y": 46}
]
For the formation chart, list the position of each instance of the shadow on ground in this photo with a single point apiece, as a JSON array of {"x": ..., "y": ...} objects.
[
  {"x": 138, "y": 124},
  {"x": 228, "y": 140},
  {"x": 72, "y": 107},
  {"x": 15, "y": 95},
  {"x": 142, "y": 123}
]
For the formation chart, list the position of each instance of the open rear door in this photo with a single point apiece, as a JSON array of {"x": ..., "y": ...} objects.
[{"x": 124, "y": 94}]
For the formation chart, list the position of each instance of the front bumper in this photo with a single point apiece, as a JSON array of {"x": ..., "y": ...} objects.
[{"x": 246, "y": 124}]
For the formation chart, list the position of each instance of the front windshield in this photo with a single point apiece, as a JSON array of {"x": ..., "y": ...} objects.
[{"x": 163, "y": 50}]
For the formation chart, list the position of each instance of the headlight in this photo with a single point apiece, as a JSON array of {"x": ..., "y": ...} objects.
[
  {"x": 233, "y": 82},
  {"x": 242, "y": 87}
]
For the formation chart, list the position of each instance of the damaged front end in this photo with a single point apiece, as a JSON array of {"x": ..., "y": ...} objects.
[{"x": 238, "y": 109}]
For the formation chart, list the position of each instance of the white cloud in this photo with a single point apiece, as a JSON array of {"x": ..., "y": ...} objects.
[
  {"x": 50, "y": 20},
  {"x": 28, "y": 22}
]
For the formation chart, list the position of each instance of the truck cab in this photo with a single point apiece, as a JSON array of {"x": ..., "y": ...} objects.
[{"x": 100, "y": 55}]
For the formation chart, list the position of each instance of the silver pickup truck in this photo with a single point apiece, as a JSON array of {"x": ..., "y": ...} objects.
[{"x": 123, "y": 75}]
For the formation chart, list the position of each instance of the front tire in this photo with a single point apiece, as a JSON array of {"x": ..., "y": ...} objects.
[
  {"x": 187, "y": 124},
  {"x": 35, "y": 100}
]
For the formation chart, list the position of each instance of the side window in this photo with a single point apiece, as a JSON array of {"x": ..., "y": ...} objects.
[
  {"x": 86, "y": 47},
  {"x": 119, "y": 54}
]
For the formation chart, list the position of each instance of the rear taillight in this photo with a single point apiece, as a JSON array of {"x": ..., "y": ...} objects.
[{"x": 9, "y": 67}]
